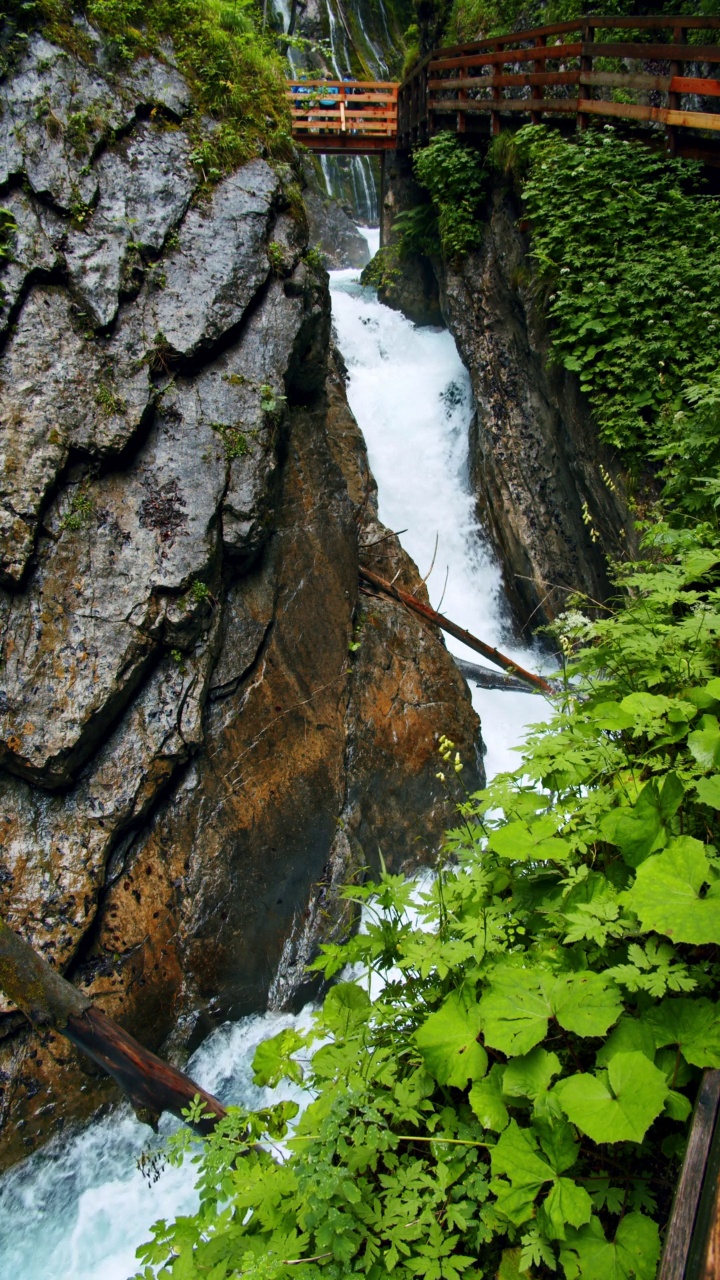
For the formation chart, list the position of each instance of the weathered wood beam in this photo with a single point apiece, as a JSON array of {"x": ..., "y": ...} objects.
[
  {"x": 439, "y": 620},
  {"x": 50, "y": 1002}
]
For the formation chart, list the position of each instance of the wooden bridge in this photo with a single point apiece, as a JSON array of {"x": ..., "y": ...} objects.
[
  {"x": 569, "y": 72},
  {"x": 341, "y": 117}
]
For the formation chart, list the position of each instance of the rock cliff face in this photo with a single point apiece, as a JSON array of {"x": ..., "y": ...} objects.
[
  {"x": 549, "y": 493},
  {"x": 192, "y": 758}
]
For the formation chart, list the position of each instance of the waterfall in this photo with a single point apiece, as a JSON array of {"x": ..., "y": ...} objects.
[{"x": 78, "y": 1209}]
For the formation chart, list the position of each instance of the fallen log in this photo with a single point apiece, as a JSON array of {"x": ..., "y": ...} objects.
[
  {"x": 50, "y": 1002},
  {"x": 487, "y": 679},
  {"x": 439, "y": 619}
]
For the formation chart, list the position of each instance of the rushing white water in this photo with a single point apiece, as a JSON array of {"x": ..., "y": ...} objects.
[
  {"x": 78, "y": 1209},
  {"x": 412, "y": 398}
]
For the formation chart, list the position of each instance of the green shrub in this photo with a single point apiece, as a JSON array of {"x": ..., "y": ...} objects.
[
  {"x": 451, "y": 173},
  {"x": 627, "y": 251},
  {"x": 517, "y": 1095}
]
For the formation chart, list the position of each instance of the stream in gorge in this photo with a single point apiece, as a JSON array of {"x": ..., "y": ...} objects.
[{"x": 78, "y": 1209}]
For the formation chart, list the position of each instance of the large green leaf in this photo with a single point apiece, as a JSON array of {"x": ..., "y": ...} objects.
[
  {"x": 346, "y": 1007},
  {"x": 520, "y": 1002},
  {"x": 273, "y": 1062},
  {"x": 634, "y": 1252},
  {"x": 639, "y": 829},
  {"x": 531, "y": 1074},
  {"x": 486, "y": 1100},
  {"x": 618, "y": 1105},
  {"x": 693, "y": 1025},
  {"x": 677, "y": 894},
  {"x": 566, "y": 1203},
  {"x": 447, "y": 1041},
  {"x": 708, "y": 790},
  {"x": 704, "y": 743},
  {"x": 516, "y": 1157},
  {"x": 538, "y": 840},
  {"x": 630, "y": 1035}
]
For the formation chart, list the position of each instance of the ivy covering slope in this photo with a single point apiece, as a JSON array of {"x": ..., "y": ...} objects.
[
  {"x": 235, "y": 73},
  {"x": 515, "y": 1100}
]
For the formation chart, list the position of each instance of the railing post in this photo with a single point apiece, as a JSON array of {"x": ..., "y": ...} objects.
[
  {"x": 679, "y": 37},
  {"x": 538, "y": 90},
  {"x": 462, "y": 96},
  {"x": 497, "y": 96},
  {"x": 586, "y": 62}
]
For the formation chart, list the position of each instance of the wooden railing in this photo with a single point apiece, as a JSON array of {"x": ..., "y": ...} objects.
[
  {"x": 572, "y": 69},
  {"x": 344, "y": 115}
]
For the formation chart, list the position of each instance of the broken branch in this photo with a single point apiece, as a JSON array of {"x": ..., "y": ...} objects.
[
  {"x": 439, "y": 619},
  {"x": 50, "y": 1001}
]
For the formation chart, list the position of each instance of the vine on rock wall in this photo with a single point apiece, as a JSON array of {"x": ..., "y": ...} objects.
[{"x": 627, "y": 245}]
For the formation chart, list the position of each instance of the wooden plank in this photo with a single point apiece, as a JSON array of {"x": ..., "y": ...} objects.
[
  {"x": 621, "y": 80},
  {"x": 344, "y": 84},
  {"x": 659, "y": 22},
  {"x": 692, "y": 84},
  {"x": 664, "y": 52},
  {"x": 521, "y": 79},
  {"x": 553, "y": 106},
  {"x": 609, "y": 79},
  {"x": 656, "y": 115},
  {"x": 693, "y": 119},
  {"x": 552, "y": 53},
  {"x": 687, "y": 1194}
]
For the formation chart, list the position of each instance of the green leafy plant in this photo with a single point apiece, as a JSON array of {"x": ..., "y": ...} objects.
[
  {"x": 276, "y": 258},
  {"x": 451, "y": 173},
  {"x": 270, "y": 400},
  {"x": 513, "y": 1100},
  {"x": 79, "y": 513},
  {"x": 234, "y": 440},
  {"x": 8, "y": 229},
  {"x": 109, "y": 402},
  {"x": 627, "y": 254},
  {"x": 315, "y": 260}
]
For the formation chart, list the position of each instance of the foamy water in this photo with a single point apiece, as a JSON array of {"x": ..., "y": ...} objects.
[{"x": 78, "y": 1209}]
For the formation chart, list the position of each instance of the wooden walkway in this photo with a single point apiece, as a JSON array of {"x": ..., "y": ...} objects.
[
  {"x": 570, "y": 72},
  {"x": 667, "y": 83},
  {"x": 341, "y": 117}
]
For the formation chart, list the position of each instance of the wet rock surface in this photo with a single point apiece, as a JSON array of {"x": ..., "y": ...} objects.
[
  {"x": 334, "y": 233},
  {"x": 536, "y": 461},
  {"x": 192, "y": 759}
]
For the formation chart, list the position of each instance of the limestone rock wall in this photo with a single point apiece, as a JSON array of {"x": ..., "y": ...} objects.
[{"x": 191, "y": 758}]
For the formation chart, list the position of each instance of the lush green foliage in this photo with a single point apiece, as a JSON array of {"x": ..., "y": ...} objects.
[
  {"x": 472, "y": 19},
  {"x": 628, "y": 251},
  {"x": 233, "y": 69},
  {"x": 514, "y": 1101},
  {"x": 452, "y": 175}
]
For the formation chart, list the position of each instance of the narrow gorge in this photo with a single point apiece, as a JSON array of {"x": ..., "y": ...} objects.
[{"x": 446, "y": 948}]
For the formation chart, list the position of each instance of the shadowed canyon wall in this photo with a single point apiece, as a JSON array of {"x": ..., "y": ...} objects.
[
  {"x": 536, "y": 462},
  {"x": 192, "y": 759}
]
